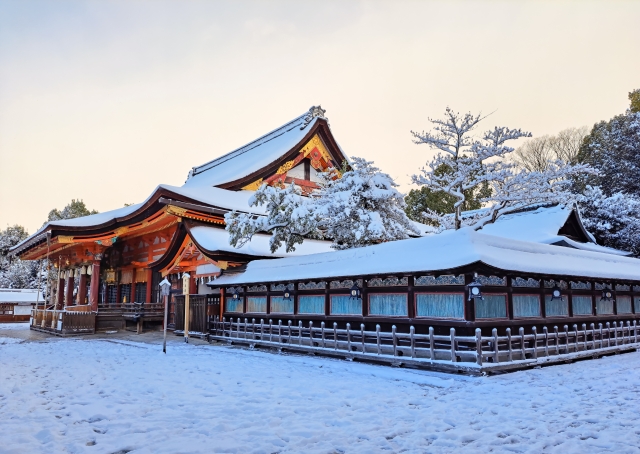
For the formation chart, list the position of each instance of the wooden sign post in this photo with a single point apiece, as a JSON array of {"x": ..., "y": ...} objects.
[
  {"x": 185, "y": 292},
  {"x": 165, "y": 290}
]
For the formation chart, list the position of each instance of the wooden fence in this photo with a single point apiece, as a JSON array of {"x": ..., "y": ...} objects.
[
  {"x": 63, "y": 322},
  {"x": 202, "y": 309},
  {"x": 469, "y": 354}
]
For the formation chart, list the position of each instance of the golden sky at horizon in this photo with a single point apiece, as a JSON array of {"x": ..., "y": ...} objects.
[{"x": 103, "y": 101}]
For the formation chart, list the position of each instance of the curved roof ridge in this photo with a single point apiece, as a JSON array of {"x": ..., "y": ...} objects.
[{"x": 249, "y": 146}]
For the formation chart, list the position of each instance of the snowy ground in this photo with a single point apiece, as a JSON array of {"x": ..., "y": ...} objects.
[{"x": 112, "y": 394}]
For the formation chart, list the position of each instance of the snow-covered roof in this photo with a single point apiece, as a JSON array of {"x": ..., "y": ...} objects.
[
  {"x": 221, "y": 198},
  {"x": 447, "y": 250},
  {"x": 13, "y": 295},
  {"x": 253, "y": 156},
  {"x": 216, "y": 239},
  {"x": 542, "y": 226}
]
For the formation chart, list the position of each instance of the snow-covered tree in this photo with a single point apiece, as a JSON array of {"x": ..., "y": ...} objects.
[
  {"x": 480, "y": 161},
  {"x": 614, "y": 220},
  {"x": 289, "y": 218},
  {"x": 16, "y": 273},
  {"x": 613, "y": 148},
  {"x": 360, "y": 207},
  {"x": 420, "y": 201}
]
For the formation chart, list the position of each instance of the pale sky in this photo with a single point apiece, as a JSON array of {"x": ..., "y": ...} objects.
[{"x": 104, "y": 100}]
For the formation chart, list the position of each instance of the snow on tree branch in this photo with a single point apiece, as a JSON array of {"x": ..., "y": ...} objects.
[
  {"x": 360, "y": 208},
  {"x": 473, "y": 162}
]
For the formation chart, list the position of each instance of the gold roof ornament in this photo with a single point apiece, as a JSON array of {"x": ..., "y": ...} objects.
[
  {"x": 253, "y": 186},
  {"x": 284, "y": 168}
]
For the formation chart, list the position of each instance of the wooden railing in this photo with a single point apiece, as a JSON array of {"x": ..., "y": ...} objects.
[
  {"x": 63, "y": 321},
  {"x": 472, "y": 354}
]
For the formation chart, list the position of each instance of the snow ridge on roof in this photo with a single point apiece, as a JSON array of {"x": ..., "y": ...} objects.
[{"x": 256, "y": 154}]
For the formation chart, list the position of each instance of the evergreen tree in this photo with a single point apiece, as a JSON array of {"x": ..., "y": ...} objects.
[
  {"x": 16, "y": 273},
  {"x": 425, "y": 200},
  {"x": 359, "y": 207},
  {"x": 613, "y": 148},
  {"x": 476, "y": 162},
  {"x": 613, "y": 220},
  {"x": 75, "y": 209}
]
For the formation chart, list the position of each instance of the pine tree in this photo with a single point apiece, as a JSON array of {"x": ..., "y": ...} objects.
[
  {"x": 482, "y": 161},
  {"x": 424, "y": 200},
  {"x": 75, "y": 209},
  {"x": 613, "y": 148},
  {"x": 354, "y": 208},
  {"x": 614, "y": 220}
]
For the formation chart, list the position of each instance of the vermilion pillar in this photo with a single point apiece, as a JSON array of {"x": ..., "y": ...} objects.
[
  {"x": 60, "y": 293},
  {"x": 69, "y": 295},
  {"x": 95, "y": 285}
]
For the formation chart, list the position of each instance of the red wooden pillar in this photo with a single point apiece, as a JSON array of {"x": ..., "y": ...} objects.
[
  {"x": 149, "y": 286},
  {"x": 82, "y": 288},
  {"x": 95, "y": 285},
  {"x": 60, "y": 298},
  {"x": 69, "y": 295}
]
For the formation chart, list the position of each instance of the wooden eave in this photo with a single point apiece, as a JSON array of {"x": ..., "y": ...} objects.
[
  {"x": 321, "y": 128},
  {"x": 153, "y": 207},
  {"x": 226, "y": 256}
]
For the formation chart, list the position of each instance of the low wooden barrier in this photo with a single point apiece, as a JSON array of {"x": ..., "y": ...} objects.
[
  {"x": 63, "y": 322},
  {"x": 468, "y": 354}
]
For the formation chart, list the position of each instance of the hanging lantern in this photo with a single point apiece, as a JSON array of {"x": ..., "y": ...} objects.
[
  {"x": 355, "y": 292},
  {"x": 287, "y": 295},
  {"x": 556, "y": 294},
  {"x": 607, "y": 294},
  {"x": 475, "y": 288}
]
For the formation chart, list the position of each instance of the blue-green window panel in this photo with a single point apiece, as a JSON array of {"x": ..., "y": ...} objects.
[
  {"x": 526, "y": 306},
  {"x": 636, "y": 304},
  {"x": 234, "y": 305},
  {"x": 345, "y": 305},
  {"x": 581, "y": 305},
  {"x": 604, "y": 307},
  {"x": 556, "y": 308},
  {"x": 280, "y": 305},
  {"x": 623, "y": 304},
  {"x": 256, "y": 304},
  {"x": 311, "y": 304},
  {"x": 440, "y": 305},
  {"x": 390, "y": 304},
  {"x": 492, "y": 306}
]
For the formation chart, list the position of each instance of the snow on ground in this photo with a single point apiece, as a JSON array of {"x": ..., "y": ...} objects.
[{"x": 121, "y": 394}]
